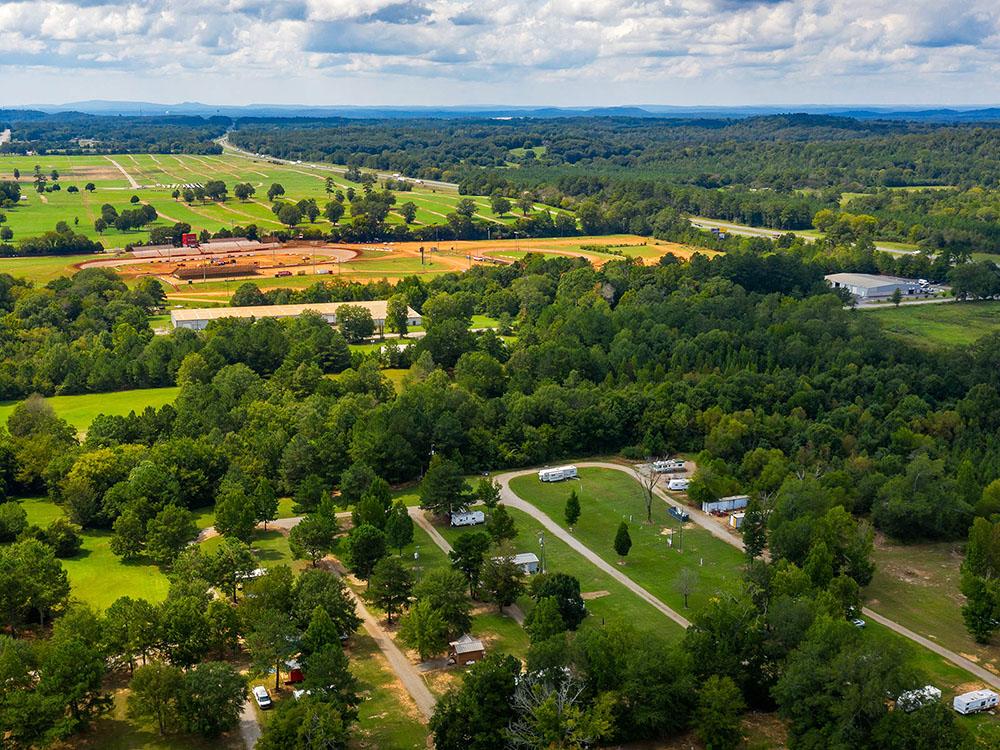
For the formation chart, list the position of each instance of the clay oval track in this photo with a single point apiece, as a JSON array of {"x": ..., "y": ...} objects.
[{"x": 334, "y": 253}]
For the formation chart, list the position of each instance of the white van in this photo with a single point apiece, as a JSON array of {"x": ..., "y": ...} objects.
[
  {"x": 260, "y": 695},
  {"x": 678, "y": 485},
  {"x": 975, "y": 701}
]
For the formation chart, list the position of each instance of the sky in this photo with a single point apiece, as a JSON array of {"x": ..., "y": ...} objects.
[{"x": 514, "y": 52}]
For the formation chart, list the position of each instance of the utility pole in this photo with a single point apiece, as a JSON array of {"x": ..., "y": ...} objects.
[{"x": 541, "y": 543}]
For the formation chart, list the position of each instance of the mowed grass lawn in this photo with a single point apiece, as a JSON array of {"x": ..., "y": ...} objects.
[
  {"x": 608, "y": 601},
  {"x": 946, "y": 324},
  {"x": 607, "y": 497},
  {"x": 917, "y": 586},
  {"x": 80, "y": 410}
]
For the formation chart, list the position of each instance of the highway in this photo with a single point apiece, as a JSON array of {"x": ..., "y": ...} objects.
[{"x": 702, "y": 223}]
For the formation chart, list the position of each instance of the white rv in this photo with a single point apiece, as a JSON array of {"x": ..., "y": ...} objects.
[
  {"x": 911, "y": 700},
  {"x": 469, "y": 518},
  {"x": 668, "y": 466},
  {"x": 977, "y": 700},
  {"x": 679, "y": 485},
  {"x": 557, "y": 474}
]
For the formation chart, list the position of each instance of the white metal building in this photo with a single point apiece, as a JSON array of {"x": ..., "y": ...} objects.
[
  {"x": 199, "y": 318},
  {"x": 871, "y": 286},
  {"x": 526, "y": 561},
  {"x": 733, "y": 502}
]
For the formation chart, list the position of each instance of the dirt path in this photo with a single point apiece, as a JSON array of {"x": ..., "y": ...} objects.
[
  {"x": 706, "y": 522},
  {"x": 420, "y": 519},
  {"x": 509, "y": 498},
  {"x": 131, "y": 180},
  {"x": 249, "y": 726},
  {"x": 407, "y": 673}
]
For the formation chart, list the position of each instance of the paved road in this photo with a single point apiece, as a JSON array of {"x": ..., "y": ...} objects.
[
  {"x": 420, "y": 519},
  {"x": 885, "y": 306},
  {"x": 742, "y": 229},
  {"x": 509, "y": 498},
  {"x": 407, "y": 673},
  {"x": 709, "y": 524},
  {"x": 249, "y": 726}
]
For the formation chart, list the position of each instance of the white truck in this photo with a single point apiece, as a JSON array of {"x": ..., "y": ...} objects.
[
  {"x": 668, "y": 466},
  {"x": 975, "y": 701},
  {"x": 468, "y": 518},
  {"x": 557, "y": 474}
]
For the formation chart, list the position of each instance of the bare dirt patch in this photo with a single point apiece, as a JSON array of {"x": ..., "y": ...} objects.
[{"x": 591, "y": 595}]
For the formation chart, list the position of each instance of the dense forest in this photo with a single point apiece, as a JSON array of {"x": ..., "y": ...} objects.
[{"x": 76, "y": 133}]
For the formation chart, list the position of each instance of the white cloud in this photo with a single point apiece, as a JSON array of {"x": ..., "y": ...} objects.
[{"x": 522, "y": 48}]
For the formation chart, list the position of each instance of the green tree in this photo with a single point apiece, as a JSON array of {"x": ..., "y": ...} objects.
[
  {"x": 130, "y": 629},
  {"x": 623, "y": 542},
  {"x": 468, "y": 717},
  {"x": 398, "y": 527},
  {"x": 276, "y": 189},
  {"x": 390, "y": 586},
  {"x": 718, "y": 718},
  {"x": 565, "y": 589},
  {"x": 499, "y": 204},
  {"x": 468, "y": 554},
  {"x": 396, "y": 314},
  {"x": 424, "y": 629},
  {"x": 500, "y": 526},
  {"x": 896, "y": 297},
  {"x": 365, "y": 547},
  {"x": 572, "y": 511},
  {"x": 33, "y": 583},
  {"x": 312, "y": 538},
  {"x": 169, "y": 533},
  {"x": 328, "y": 674},
  {"x": 502, "y": 580},
  {"x": 322, "y": 632},
  {"x": 443, "y": 490},
  {"x": 444, "y": 590},
  {"x": 153, "y": 694},
  {"x": 408, "y": 211},
  {"x": 309, "y": 723},
  {"x": 487, "y": 492},
  {"x": 183, "y": 629},
  {"x": 355, "y": 323},
  {"x": 334, "y": 211},
  {"x": 13, "y": 520},
  {"x": 289, "y": 215},
  {"x": 931, "y": 727},
  {"x": 272, "y": 640},
  {"x": 235, "y": 512},
  {"x": 211, "y": 699},
  {"x": 754, "y": 529},
  {"x": 544, "y": 621},
  {"x": 232, "y": 562}
]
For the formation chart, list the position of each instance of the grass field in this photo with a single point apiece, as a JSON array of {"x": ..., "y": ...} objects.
[
  {"x": 80, "y": 410},
  {"x": 947, "y": 324},
  {"x": 917, "y": 586},
  {"x": 606, "y": 498},
  {"x": 608, "y": 602},
  {"x": 153, "y": 177}
]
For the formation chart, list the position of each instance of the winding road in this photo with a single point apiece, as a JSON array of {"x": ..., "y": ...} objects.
[
  {"x": 512, "y": 500},
  {"x": 706, "y": 522}
]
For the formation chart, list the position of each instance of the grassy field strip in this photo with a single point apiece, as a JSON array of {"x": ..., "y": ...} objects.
[
  {"x": 80, "y": 410},
  {"x": 929, "y": 326},
  {"x": 608, "y": 497},
  {"x": 608, "y": 601}
]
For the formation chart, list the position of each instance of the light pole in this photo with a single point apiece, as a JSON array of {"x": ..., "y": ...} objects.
[{"x": 541, "y": 544}]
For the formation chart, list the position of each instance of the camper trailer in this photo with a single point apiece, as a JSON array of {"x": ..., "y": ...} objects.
[
  {"x": 678, "y": 485},
  {"x": 669, "y": 466},
  {"x": 469, "y": 518},
  {"x": 557, "y": 474},
  {"x": 975, "y": 701}
]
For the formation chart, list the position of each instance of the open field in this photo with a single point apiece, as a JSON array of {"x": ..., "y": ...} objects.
[
  {"x": 606, "y": 498},
  {"x": 954, "y": 324},
  {"x": 80, "y": 410},
  {"x": 609, "y": 601},
  {"x": 917, "y": 586},
  {"x": 153, "y": 178}
]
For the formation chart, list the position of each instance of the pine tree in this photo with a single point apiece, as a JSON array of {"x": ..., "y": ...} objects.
[
  {"x": 623, "y": 542},
  {"x": 572, "y": 509}
]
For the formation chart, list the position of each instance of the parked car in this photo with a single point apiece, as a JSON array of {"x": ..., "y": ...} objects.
[
  {"x": 858, "y": 622},
  {"x": 260, "y": 695}
]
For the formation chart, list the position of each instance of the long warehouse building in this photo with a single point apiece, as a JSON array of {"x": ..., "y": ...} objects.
[{"x": 198, "y": 318}]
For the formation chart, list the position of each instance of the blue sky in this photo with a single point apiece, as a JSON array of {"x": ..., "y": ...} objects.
[{"x": 561, "y": 52}]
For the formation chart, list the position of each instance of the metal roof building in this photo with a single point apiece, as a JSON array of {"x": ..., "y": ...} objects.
[
  {"x": 870, "y": 286},
  {"x": 198, "y": 318}
]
